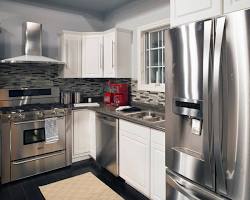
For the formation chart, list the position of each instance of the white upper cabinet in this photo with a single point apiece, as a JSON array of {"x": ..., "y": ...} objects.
[
  {"x": 71, "y": 54},
  {"x": 92, "y": 45},
  {"x": 97, "y": 55},
  {"x": 234, "y": 5},
  {"x": 183, "y": 11},
  {"x": 109, "y": 54},
  {"x": 117, "y": 53}
]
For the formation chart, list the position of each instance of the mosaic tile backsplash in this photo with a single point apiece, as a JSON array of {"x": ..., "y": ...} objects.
[
  {"x": 156, "y": 98},
  {"x": 25, "y": 76}
]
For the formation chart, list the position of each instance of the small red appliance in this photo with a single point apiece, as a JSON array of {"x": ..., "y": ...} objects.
[
  {"x": 119, "y": 93},
  {"x": 108, "y": 96}
]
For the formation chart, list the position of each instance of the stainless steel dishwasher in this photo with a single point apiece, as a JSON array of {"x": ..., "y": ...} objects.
[{"x": 107, "y": 143}]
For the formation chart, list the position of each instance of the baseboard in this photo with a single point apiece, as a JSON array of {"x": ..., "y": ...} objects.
[{"x": 80, "y": 158}]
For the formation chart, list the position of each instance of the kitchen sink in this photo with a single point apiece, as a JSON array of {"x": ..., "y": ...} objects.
[{"x": 149, "y": 116}]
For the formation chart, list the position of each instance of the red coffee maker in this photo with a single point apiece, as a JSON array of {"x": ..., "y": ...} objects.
[
  {"x": 119, "y": 93},
  {"x": 108, "y": 96}
]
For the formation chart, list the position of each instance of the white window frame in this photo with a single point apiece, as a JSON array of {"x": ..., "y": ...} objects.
[{"x": 140, "y": 55}]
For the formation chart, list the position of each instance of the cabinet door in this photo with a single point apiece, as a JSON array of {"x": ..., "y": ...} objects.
[
  {"x": 158, "y": 172},
  {"x": 134, "y": 155},
  {"x": 234, "y": 5},
  {"x": 81, "y": 134},
  {"x": 92, "y": 128},
  {"x": 72, "y": 55},
  {"x": 110, "y": 55},
  {"x": 183, "y": 11},
  {"x": 93, "y": 56}
]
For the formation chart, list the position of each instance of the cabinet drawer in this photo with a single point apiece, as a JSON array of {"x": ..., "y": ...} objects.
[
  {"x": 135, "y": 129},
  {"x": 158, "y": 137}
]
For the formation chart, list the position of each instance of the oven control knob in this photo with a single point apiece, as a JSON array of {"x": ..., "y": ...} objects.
[
  {"x": 21, "y": 116},
  {"x": 39, "y": 114}
]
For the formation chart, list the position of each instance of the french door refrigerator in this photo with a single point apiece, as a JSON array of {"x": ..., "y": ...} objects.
[{"x": 208, "y": 109}]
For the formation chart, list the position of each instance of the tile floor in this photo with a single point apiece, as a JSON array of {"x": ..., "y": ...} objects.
[{"x": 27, "y": 189}]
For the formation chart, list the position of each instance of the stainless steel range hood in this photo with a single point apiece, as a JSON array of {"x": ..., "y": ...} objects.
[{"x": 32, "y": 47}]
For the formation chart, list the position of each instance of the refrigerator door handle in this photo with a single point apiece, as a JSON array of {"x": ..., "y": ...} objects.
[
  {"x": 216, "y": 106},
  {"x": 190, "y": 190},
  {"x": 207, "y": 64}
]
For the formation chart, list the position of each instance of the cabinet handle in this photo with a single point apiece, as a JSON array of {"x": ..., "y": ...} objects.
[
  {"x": 101, "y": 59},
  {"x": 38, "y": 158},
  {"x": 67, "y": 54},
  {"x": 113, "y": 54}
]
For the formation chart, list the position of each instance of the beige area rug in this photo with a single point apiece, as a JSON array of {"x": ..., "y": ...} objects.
[{"x": 82, "y": 187}]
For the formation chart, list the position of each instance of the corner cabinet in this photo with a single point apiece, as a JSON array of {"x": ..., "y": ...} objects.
[
  {"x": 234, "y": 5},
  {"x": 83, "y": 138},
  {"x": 92, "y": 64},
  {"x": 142, "y": 159},
  {"x": 117, "y": 53},
  {"x": 71, "y": 54},
  {"x": 97, "y": 54},
  {"x": 183, "y": 11}
]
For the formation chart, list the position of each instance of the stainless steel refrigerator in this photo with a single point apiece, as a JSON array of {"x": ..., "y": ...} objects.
[{"x": 208, "y": 109}]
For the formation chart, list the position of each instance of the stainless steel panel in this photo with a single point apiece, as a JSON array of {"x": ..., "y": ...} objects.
[
  {"x": 188, "y": 107},
  {"x": 189, "y": 62},
  {"x": 107, "y": 141},
  {"x": 7, "y": 101},
  {"x": 233, "y": 86},
  {"x": 36, "y": 165},
  {"x": 217, "y": 104},
  {"x": 179, "y": 188},
  {"x": 20, "y": 151},
  {"x": 32, "y": 33},
  {"x": 5, "y": 149},
  {"x": 68, "y": 135}
]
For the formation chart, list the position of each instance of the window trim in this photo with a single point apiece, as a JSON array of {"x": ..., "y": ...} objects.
[{"x": 140, "y": 55}]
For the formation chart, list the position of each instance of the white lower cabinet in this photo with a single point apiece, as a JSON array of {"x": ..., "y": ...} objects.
[
  {"x": 157, "y": 167},
  {"x": 92, "y": 128},
  {"x": 83, "y": 133},
  {"x": 134, "y": 143},
  {"x": 142, "y": 159}
]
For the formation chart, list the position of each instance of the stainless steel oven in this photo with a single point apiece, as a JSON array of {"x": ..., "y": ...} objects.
[
  {"x": 36, "y": 137},
  {"x": 28, "y": 138}
]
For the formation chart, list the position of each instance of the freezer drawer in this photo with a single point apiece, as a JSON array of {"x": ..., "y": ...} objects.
[{"x": 182, "y": 189}]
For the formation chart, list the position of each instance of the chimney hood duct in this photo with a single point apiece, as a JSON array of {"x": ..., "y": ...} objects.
[{"x": 32, "y": 48}]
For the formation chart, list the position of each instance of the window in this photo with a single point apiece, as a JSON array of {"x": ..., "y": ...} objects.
[
  {"x": 151, "y": 57},
  {"x": 154, "y": 55}
]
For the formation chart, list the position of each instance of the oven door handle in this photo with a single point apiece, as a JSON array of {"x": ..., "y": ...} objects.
[
  {"x": 37, "y": 120},
  {"x": 37, "y": 158}
]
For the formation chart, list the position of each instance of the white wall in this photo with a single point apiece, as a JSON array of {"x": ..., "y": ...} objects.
[
  {"x": 135, "y": 14},
  {"x": 13, "y": 14}
]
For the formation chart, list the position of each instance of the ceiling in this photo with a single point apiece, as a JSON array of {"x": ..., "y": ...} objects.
[{"x": 101, "y": 7}]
